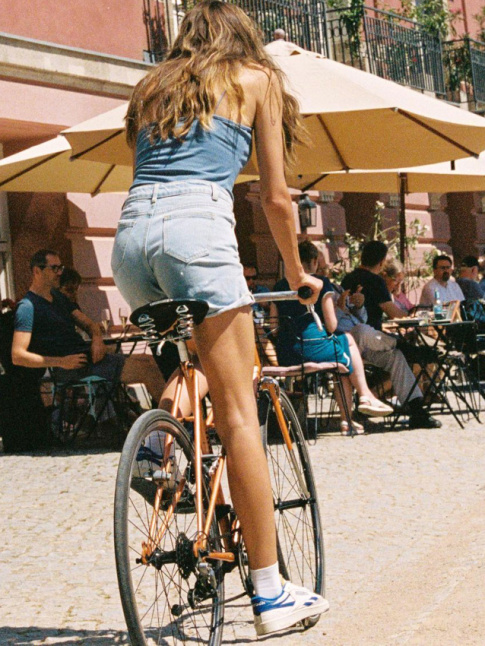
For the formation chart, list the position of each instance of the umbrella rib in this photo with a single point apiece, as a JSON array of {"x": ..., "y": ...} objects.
[
  {"x": 469, "y": 152},
  {"x": 30, "y": 168},
  {"x": 312, "y": 184},
  {"x": 103, "y": 179},
  {"x": 332, "y": 141},
  {"x": 97, "y": 145}
]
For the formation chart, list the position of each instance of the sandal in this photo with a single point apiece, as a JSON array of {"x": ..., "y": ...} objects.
[
  {"x": 373, "y": 407},
  {"x": 347, "y": 432}
]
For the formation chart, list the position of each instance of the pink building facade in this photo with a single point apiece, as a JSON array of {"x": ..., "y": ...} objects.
[
  {"x": 62, "y": 63},
  {"x": 466, "y": 22}
]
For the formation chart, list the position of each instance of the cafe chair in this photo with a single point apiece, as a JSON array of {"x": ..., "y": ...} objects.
[
  {"x": 79, "y": 407},
  {"x": 307, "y": 383},
  {"x": 474, "y": 310},
  {"x": 459, "y": 374}
]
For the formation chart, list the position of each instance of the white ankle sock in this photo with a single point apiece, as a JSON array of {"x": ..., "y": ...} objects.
[{"x": 267, "y": 582}]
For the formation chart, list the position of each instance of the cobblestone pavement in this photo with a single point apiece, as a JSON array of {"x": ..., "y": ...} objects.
[{"x": 404, "y": 525}]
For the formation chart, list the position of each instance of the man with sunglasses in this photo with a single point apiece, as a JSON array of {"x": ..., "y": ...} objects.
[
  {"x": 448, "y": 288},
  {"x": 45, "y": 329}
]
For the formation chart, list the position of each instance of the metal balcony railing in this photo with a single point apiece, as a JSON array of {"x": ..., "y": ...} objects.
[
  {"x": 465, "y": 72},
  {"x": 302, "y": 20},
  {"x": 344, "y": 37},
  {"x": 377, "y": 41},
  {"x": 398, "y": 49},
  {"x": 387, "y": 45},
  {"x": 157, "y": 20}
]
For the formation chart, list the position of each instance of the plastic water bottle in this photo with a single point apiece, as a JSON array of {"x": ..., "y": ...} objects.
[{"x": 437, "y": 306}]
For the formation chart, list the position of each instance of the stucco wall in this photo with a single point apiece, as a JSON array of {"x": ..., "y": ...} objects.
[{"x": 109, "y": 26}]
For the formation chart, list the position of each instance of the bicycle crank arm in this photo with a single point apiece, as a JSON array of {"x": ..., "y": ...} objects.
[{"x": 228, "y": 557}]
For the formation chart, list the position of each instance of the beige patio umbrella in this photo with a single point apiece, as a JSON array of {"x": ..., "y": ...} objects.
[
  {"x": 355, "y": 120},
  {"x": 462, "y": 175},
  {"x": 47, "y": 168}
]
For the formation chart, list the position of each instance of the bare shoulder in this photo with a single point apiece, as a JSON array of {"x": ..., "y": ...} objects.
[{"x": 256, "y": 80}]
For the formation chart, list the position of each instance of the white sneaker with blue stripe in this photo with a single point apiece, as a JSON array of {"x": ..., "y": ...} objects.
[{"x": 293, "y": 605}]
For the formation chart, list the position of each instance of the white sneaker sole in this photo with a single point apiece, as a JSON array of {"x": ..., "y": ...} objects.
[{"x": 286, "y": 621}]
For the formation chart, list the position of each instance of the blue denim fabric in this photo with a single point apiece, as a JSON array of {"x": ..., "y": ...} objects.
[{"x": 177, "y": 241}]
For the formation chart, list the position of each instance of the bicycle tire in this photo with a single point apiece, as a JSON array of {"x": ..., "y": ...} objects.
[
  {"x": 155, "y": 599},
  {"x": 297, "y": 516}
]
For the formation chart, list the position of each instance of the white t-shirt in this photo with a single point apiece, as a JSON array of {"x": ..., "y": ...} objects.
[{"x": 450, "y": 292}]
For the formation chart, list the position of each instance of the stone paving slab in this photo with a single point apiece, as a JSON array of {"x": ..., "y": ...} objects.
[{"x": 404, "y": 525}]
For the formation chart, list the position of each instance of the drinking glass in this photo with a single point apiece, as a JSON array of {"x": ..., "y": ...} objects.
[
  {"x": 123, "y": 314},
  {"x": 105, "y": 320}
]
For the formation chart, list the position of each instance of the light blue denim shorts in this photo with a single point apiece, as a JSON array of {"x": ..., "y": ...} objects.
[{"x": 177, "y": 241}]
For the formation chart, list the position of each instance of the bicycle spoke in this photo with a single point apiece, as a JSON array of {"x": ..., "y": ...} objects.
[
  {"x": 155, "y": 595},
  {"x": 300, "y": 548}
]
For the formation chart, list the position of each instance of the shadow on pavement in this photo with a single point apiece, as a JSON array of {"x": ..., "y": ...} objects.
[
  {"x": 32, "y": 635},
  {"x": 103, "y": 441}
]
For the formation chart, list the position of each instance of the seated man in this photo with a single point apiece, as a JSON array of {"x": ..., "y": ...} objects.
[
  {"x": 443, "y": 283},
  {"x": 381, "y": 350},
  {"x": 45, "y": 333},
  {"x": 468, "y": 278},
  {"x": 367, "y": 277},
  {"x": 251, "y": 275}
]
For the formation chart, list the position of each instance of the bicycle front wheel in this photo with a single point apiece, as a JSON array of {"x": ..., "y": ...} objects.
[
  {"x": 297, "y": 516},
  {"x": 166, "y": 599}
]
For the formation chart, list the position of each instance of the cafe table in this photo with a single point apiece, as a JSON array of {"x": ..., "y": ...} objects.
[
  {"x": 125, "y": 342},
  {"x": 450, "y": 343}
]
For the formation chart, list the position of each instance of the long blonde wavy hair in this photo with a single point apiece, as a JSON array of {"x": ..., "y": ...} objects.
[{"x": 215, "y": 39}]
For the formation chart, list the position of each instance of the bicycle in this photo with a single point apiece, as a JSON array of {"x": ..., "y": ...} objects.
[{"x": 175, "y": 535}]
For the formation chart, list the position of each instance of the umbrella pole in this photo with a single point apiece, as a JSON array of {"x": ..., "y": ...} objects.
[{"x": 402, "y": 218}]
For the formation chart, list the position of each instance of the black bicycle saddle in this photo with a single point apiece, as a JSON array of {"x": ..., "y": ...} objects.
[{"x": 161, "y": 315}]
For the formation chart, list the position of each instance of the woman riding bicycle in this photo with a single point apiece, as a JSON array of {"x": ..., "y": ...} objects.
[{"x": 191, "y": 122}]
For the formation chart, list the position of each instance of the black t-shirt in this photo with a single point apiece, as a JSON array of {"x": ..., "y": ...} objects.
[
  {"x": 51, "y": 324},
  {"x": 375, "y": 291}
]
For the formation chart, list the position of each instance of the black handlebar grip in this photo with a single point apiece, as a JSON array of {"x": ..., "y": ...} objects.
[{"x": 305, "y": 292}]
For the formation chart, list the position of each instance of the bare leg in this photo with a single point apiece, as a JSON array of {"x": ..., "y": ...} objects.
[
  {"x": 225, "y": 345},
  {"x": 357, "y": 378},
  {"x": 168, "y": 394},
  {"x": 142, "y": 367},
  {"x": 347, "y": 389}
]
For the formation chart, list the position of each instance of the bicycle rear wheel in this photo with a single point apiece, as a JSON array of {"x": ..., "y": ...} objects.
[
  {"x": 165, "y": 601},
  {"x": 297, "y": 516}
]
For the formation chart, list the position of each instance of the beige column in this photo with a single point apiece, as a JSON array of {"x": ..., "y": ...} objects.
[{"x": 7, "y": 287}]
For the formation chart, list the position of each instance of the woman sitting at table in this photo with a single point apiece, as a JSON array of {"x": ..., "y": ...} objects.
[
  {"x": 393, "y": 274},
  {"x": 299, "y": 340}
]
